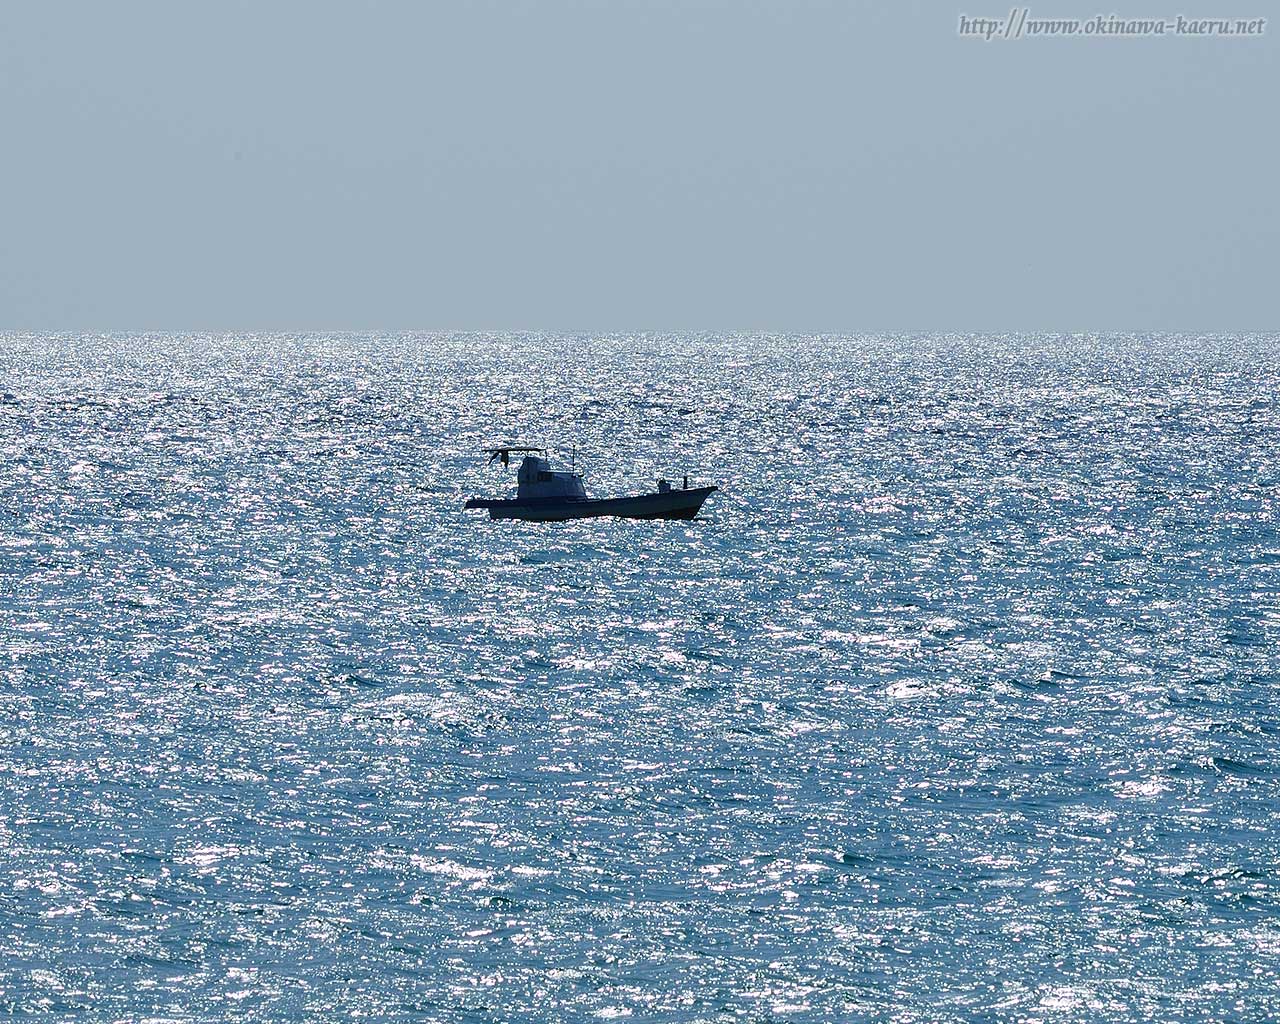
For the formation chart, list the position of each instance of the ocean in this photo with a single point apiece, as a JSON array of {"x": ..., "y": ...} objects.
[{"x": 956, "y": 703}]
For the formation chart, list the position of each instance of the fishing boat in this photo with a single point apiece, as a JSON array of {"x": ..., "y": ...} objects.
[{"x": 547, "y": 495}]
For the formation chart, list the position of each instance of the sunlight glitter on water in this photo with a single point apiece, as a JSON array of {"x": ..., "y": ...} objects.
[{"x": 956, "y": 702}]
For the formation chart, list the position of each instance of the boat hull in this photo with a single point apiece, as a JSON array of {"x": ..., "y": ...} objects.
[{"x": 681, "y": 504}]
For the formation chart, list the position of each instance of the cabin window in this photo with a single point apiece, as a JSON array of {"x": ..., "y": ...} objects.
[{"x": 544, "y": 477}]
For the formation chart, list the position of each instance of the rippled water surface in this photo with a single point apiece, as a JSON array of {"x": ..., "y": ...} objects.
[{"x": 956, "y": 703}]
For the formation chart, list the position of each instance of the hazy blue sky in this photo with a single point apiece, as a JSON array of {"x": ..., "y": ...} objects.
[{"x": 789, "y": 165}]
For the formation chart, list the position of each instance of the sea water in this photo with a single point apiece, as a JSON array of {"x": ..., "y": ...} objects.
[{"x": 957, "y": 702}]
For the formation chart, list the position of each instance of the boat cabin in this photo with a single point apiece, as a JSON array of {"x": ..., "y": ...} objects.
[{"x": 537, "y": 480}]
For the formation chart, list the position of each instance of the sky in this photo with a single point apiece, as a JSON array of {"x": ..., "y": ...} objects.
[{"x": 791, "y": 165}]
